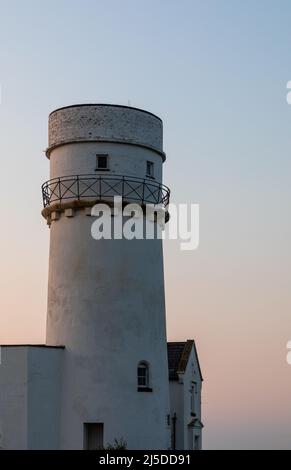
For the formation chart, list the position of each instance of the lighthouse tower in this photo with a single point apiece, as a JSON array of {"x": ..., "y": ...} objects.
[{"x": 106, "y": 301}]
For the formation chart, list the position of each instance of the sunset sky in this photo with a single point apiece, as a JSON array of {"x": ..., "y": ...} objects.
[{"x": 216, "y": 73}]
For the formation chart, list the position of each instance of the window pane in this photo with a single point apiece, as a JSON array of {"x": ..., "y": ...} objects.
[
  {"x": 142, "y": 375},
  {"x": 150, "y": 168},
  {"x": 102, "y": 162},
  {"x": 142, "y": 381}
]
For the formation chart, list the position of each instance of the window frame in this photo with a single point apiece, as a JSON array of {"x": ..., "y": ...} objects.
[
  {"x": 151, "y": 173},
  {"x": 143, "y": 387},
  {"x": 102, "y": 155}
]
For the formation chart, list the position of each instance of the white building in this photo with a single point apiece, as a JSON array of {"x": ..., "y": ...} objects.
[
  {"x": 185, "y": 396},
  {"x": 103, "y": 373}
]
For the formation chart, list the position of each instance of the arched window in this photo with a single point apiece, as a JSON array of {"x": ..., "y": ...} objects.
[{"x": 143, "y": 375}]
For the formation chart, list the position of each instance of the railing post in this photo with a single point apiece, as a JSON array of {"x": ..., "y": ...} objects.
[
  {"x": 60, "y": 189},
  {"x": 78, "y": 188},
  {"x": 143, "y": 186}
]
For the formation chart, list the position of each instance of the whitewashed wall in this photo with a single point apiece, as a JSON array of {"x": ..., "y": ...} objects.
[
  {"x": 180, "y": 402},
  {"x": 30, "y": 381},
  {"x": 106, "y": 298}
]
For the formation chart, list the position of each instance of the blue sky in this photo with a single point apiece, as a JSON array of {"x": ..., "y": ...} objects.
[{"x": 216, "y": 73}]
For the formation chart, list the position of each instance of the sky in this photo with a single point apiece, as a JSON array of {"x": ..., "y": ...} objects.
[{"x": 216, "y": 73}]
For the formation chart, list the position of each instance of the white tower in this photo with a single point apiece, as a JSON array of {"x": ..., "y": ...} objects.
[{"x": 106, "y": 298}]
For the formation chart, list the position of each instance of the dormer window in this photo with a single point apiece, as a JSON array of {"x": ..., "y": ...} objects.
[
  {"x": 102, "y": 162},
  {"x": 150, "y": 169}
]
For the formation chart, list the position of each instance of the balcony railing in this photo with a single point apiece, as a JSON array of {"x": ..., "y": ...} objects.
[{"x": 100, "y": 187}]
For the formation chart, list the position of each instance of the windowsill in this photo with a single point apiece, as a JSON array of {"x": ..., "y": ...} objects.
[
  {"x": 101, "y": 169},
  {"x": 144, "y": 389}
]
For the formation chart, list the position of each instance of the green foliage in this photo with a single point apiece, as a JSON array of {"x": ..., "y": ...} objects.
[{"x": 120, "y": 444}]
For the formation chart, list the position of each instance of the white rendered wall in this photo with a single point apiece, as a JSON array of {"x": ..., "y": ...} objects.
[
  {"x": 177, "y": 407},
  {"x": 80, "y": 158},
  {"x": 44, "y": 394},
  {"x": 13, "y": 398},
  {"x": 181, "y": 403},
  {"x": 191, "y": 375},
  {"x": 30, "y": 381},
  {"x": 106, "y": 305}
]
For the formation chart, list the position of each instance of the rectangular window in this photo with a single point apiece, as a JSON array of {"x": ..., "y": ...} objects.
[
  {"x": 102, "y": 162},
  {"x": 142, "y": 376},
  {"x": 192, "y": 400},
  {"x": 93, "y": 436},
  {"x": 150, "y": 169}
]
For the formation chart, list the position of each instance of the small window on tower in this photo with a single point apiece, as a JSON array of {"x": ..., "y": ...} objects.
[
  {"x": 102, "y": 162},
  {"x": 143, "y": 377},
  {"x": 150, "y": 169}
]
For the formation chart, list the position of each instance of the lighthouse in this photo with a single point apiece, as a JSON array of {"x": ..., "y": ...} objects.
[
  {"x": 106, "y": 376},
  {"x": 106, "y": 300}
]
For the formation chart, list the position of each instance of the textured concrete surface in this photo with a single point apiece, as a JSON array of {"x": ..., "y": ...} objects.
[{"x": 105, "y": 123}]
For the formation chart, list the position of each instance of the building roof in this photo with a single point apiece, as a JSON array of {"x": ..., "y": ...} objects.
[
  {"x": 80, "y": 105},
  {"x": 178, "y": 356}
]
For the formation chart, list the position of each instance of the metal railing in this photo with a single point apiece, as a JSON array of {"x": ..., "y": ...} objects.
[{"x": 101, "y": 187}]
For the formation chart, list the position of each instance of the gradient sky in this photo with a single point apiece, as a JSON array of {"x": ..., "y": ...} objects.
[{"x": 216, "y": 73}]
